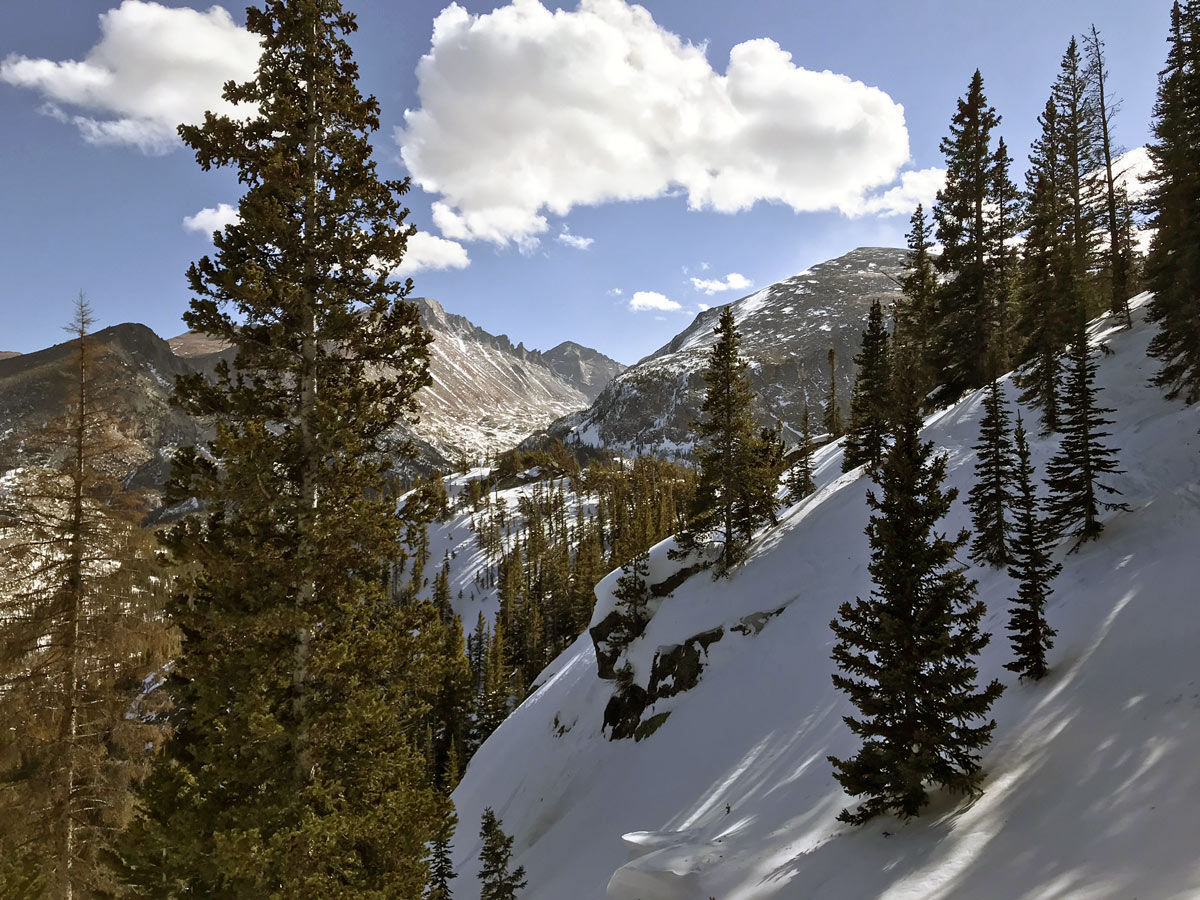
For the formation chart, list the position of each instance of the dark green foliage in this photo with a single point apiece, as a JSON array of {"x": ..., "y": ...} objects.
[
  {"x": 1033, "y": 568},
  {"x": 441, "y": 868},
  {"x": 296, "y": 768},
  {"x": 866, "y": 435},
  {"x": 800, "y": 476},
  {"x": 1082, "y": 459},
  {"x": 991, "y": 495},
  {"x": 735, "y": 461},
  {"x": 632, "y": 594},
  {"x": 914, "y": 310},
  {"x": 1173, "y": 265},
  {"x": 1007, "y": 210},
  {"x": 972, "y": 219},
  {"x": 496, "y": 881},
  {"x": 906, "y": 654},
  {"x": 832, "y": 421}
]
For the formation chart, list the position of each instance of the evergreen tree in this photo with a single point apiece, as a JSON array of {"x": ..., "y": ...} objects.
[
  {"x": 1033, "y": 568},
  {"x": 765, "y": 466},
  {"x": 497, "y": 882},
  {"x": 81, "y": 629},
  {"x": 967, "y": 225},
  {"x": 296, "y": 769},
  {"x": 1046, "y": 314},
  {"x": 1173, "y": 264},
  {"x": 1074, "y": 471},
  {"x": 906, "y": 654},
  {"x": 441, "y": 867},
  {"x": 1007, "y": 210},
  {"x": 726, "y": 444},
  {"x": 1118, "y": 251},
  {"x": 832, "y": 421},
  {"x": 914, "y": 309},
  {"x": 800, "y": 477},
  {"x": 867, "y": 431},
  {"x": 632, "y": 595},
  {"x": 990, "y": 496}
]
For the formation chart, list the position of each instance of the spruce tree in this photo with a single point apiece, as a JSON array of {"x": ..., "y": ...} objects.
[
  {"x": 832, "y": 421},
  {"x": 759, "y": 501},
  {"x": 726, "y": 444},
  {"x": 914, "y": 308},
  {"x": 800, "y": 477},
  {"x": 1074, "y": 471},
  {"x": 81, "y": 632},
  {"x": 441, "y": 867},
  {"x": 966, "y": 220},
  {"x": 1033, "y": 568},
  {"x": 496, "y": 881},
  {"x": 991, "y": 496},
  {"x": 906, "y": 653},
  {"x": 296, "y": 769},
  {"x": 1173, "y": 263},
  {"x": 866, "y": 434},
  {"x": 1118, "y": 251},
  {"x": 1007, "y": 211}
]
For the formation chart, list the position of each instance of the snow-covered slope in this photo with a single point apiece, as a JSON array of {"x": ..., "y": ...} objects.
[
  {"x": 1093, "y": 787},
  {"x": 787, "y": 330}
]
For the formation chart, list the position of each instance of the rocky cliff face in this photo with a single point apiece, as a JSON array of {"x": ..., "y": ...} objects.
[{"x": 787, "y": 330}]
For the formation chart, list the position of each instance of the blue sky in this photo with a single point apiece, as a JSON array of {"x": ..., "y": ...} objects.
[{"x": 575, "y": 165}]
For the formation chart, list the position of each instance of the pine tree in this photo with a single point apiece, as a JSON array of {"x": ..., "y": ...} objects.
[
  {"x": 1007, "y": 211},
  {"x": 1173, "y": 264},
  {"x": 1118, "y": 251},
  {"x": 967, "y": 226},
  {"x": 496, "y": 881},
  {"x": 991, "y": 496},
  {"x": 632, "y": 595},
  {"x": 832, "y": 421},
  {"x": 907, "y": 653},
  {"x": 81, "y": 629},
  {"x": 914, "y": 309},
  {"x": 1046, "y": 314},
  {"x": 1033, "y": 568},
  {"x": 759, "y": 501},
  {"x": 867, "y": 431},
  {"x": 441, "y": 867},
  {"x": 800, "y": 477},
  {"x": 1074, "y": 471},
  {"x": 296, "y": 767},
  {"x": 726, "y": 444}
]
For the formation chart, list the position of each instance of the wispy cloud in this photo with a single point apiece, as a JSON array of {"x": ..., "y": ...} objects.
[
  {"x": 734, "y": 281},
  {"x": 644, "y": 300}
]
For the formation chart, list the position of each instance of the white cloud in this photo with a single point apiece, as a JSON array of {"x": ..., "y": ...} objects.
[
  {"x": 643, "y": 300},
  {"x": 574, "y": 240},
  {"x": 703, "y": 307},
  {"x": 918, "y": 186},
  {"x": 615, "y": 292},
  {"x": 153, "y": 68},
  {"x": 525, "y": 111},
  {"x": 428, "y": 251},
  {"x": 209, "y": 219},
  {"x": 734, "y": 281}
]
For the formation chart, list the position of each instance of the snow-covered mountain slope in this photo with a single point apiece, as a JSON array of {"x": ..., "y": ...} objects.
[
  {"x": 787, "y": 330},
  {"x": 1093, "y": 787},
  {"x": 487, "y": 394}
]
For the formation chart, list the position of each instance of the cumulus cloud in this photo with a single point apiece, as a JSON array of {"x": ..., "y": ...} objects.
[
  {"x": 734, "y": 281},
  {"x": 918, "y": 186},
  {"x": 574, "y": 240},
  {"x": 428, "y": 251},
  {"x": 524, "y": 111},
  {"x": 211, "y": 219},
  {"x": 153, "y": 68},
  {"x": 643, "y": 300}
]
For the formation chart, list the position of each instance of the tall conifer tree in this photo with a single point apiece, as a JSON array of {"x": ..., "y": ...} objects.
[
  {"x": 441, "y": 867},
  {"x": 866, "y": 433},
  {"x": 1074, "y": 472},
  {"x": 81, "y": 630},
  {"x": 906, "y": 653},
  {"x": 991, "y": 495},
  {"x": 296, "y": 766},
  {"x": 1033, "y": 568},
  {"x": 800, "y": 478},
  {"x": 832, "y": 421},
  {"x": 497, "y": 882},
  {"x": 1173, "y": 264}
]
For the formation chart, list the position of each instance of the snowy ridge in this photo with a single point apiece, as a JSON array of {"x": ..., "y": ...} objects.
[
  {"x": 787, "y": 330},
  {"x": 1092, "y": 787}
]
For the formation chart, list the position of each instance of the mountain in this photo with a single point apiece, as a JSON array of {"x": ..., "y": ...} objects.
[
  {"x": 8, "y": 354},
  {"x": 787, "y": 330},
  {"x": 486, "y": 394},
  {"x": 1092, "y": 785}
]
